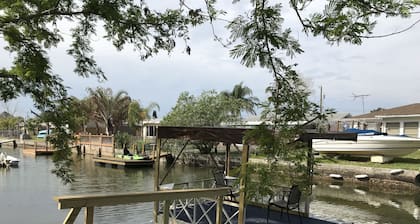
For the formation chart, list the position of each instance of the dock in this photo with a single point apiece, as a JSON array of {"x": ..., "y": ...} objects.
[
  {"x": 254, "y": 214},
  {"x": 8, "y": 141},
  {"x": 124, "y": 162},
  {"x": 38, "y": 149}
]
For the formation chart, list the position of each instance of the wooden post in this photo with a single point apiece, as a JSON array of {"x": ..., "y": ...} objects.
[
  {"x": 242, "y": 183},
  {"x": 89, "y": 215},
  {"x": 113, "y": 145},
  {"x": 166, "y": 212},
  {"x": 157, "y": 164},
  {"x": 219, "y": 210},
  {"x": 100, "y": 143},
  {"x": 310, "y": 164},
  {"x": 71, "y": 217},
  {"x": 227, "y": 160}
]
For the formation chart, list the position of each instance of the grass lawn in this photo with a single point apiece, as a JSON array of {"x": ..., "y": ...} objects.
[{"x": 409, "y": 162}]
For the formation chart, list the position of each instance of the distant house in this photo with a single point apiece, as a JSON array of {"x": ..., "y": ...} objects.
[
  {"x": 403, "y": 120},
  {"x": 149, "y": 129}
]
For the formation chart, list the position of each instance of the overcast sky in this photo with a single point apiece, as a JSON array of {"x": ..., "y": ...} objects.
[{"x": 386, "y": 69}]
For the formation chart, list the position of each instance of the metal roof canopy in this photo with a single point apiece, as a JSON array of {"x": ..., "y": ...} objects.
[
  {"x": 217, "y": 134},
  {"x": 235, "y": 135},
  {"x": 228, "y": 136}
]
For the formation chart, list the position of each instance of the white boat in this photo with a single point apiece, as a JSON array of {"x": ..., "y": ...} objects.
[
  {"x": 368, "y": 145},
  {"x": 6, "y": 160},
  {"x": 12, "y": 161}
]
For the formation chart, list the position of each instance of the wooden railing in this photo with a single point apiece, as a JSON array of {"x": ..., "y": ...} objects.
[{"x": 76, "y": 203}]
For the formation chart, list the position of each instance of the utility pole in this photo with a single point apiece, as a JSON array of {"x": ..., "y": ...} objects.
[
  {"x": 321, "y": 111},
  {"x": 362, "y": 96}
]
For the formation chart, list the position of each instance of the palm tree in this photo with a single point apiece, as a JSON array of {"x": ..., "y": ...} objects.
[
  {"x": 136, "y": 113},
  {"x": 244, "y": 95},
  {"x": 110, "y": 109}
]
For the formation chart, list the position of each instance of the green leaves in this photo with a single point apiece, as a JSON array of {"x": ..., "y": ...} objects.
[
  {"x": 111, "y": 109},
  {"x": 261, "y": 35},
  {"x": 351, "y": 21},
  {"x": 31, "y": 28}
]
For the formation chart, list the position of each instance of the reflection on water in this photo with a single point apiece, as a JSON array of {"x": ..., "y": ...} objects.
[
  {"x": 26, "y": 194},
  {"x": 359, "y": 205}
]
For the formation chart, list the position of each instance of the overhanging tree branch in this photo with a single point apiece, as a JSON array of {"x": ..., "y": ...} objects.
[{"x": 394, "y": 33}]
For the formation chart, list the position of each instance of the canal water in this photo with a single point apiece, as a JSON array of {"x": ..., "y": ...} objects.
[{"x": 27, "y": 192}]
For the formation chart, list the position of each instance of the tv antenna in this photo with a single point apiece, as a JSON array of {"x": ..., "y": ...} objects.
[{"x": 362, "y": 96}]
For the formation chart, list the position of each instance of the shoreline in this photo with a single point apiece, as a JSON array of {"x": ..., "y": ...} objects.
[{"x": 381, "y": 178}]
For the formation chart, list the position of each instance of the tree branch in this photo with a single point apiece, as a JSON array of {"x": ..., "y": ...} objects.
[
  {"x": 295, "y": 8},
  {"x": 394, "y": 33},
  {"x": 50, "y": 12}
]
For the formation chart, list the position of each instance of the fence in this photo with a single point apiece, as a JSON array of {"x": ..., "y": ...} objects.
[
  {"x": 10, "y": 133},
  {"x": 97, "y": 144}
]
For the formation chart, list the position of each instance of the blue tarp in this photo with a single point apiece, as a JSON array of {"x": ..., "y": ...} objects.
[{"x": 362, "y": 132}]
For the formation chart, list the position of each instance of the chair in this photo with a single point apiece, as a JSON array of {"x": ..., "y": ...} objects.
[
  {"x": 290, "y": 200},
  {"x": 219, "y": 181}
]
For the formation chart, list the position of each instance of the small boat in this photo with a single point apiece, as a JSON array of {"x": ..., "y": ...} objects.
[
  {"x": 368, "y": 144},
  {"x": 6, "y": 160},
  {"x": 133, "y": 157},
  {"x": 12, "y": 161}
]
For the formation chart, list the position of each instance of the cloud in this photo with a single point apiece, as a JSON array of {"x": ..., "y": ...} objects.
[{"x": 386, "y": 68}]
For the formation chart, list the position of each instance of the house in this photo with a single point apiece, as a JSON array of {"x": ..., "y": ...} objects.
[
  {"x": 403, "y": 120},
  {"x": 149, "y": 130}
]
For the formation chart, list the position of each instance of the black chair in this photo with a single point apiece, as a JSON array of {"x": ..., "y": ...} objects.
[
  {"x": 290, "y": 200},
  {"x": 219, "y": 181}
]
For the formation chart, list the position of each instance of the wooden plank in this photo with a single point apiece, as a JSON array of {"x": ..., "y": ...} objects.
[
  {"x": 89, "y": 215},
  {"x": 76, "y": 201},
  {"x": 72, "y": 215}
]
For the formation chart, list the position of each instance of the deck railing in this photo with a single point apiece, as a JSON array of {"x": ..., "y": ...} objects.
[{"x": 89, "y": 202}]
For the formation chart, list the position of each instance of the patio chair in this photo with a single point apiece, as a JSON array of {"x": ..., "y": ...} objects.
[
  {"x": 289, "y": 200},
  {"x": 219, "y": 181}
]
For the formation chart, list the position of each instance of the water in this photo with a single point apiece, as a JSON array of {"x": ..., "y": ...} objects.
[{"x": 27, "y": 192}]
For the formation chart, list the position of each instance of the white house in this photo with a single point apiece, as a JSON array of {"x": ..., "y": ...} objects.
[{"x": 403, "y": 120}]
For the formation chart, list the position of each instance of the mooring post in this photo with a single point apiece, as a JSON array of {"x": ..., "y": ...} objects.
[{"x": 14, "y": 144}]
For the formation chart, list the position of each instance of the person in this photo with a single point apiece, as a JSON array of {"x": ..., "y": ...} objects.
[{"x": 126, "y": 152}]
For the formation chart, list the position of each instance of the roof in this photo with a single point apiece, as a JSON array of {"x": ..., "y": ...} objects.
[
  {"x": 407, "y": 110},
  {"x": 227, "y": 135}
]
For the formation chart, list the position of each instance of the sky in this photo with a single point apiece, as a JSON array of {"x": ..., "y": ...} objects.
[{"x": 385, "y": 69}]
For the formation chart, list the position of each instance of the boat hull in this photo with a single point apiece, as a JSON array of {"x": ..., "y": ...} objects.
[
  {"x": 391, "y": 146},
  {"x": 12, "y": 161}
]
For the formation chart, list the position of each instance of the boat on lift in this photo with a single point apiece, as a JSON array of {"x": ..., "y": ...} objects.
[{"x": 369, "y": 143}]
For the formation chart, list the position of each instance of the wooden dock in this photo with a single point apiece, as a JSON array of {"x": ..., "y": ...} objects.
[
  {"x": 38, "y": 149},
  {"x": 124, "y": 162},
  {"x": 8, "y": 141}
]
